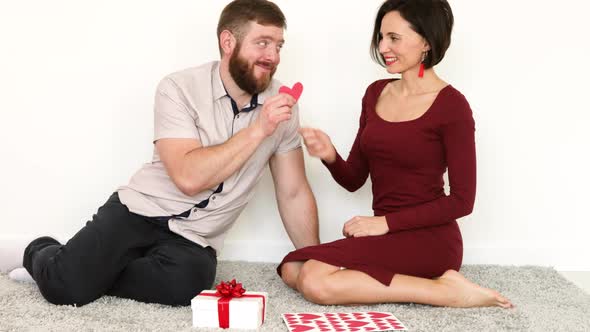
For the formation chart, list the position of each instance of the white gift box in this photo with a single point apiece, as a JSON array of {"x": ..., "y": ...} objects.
[{"x": 246, "y": 312}]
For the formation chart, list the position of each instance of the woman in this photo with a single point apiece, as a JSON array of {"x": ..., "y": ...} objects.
[{"x": 411, "y": 130}]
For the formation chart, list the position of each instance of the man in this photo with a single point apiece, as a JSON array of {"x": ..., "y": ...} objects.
[{"x": 156, "y": 239}]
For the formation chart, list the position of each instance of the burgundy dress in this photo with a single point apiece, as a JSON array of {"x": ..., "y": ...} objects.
[{"x": 406, "y": 161}]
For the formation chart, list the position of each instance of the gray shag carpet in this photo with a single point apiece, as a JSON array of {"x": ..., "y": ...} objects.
[{"x": 545, "y": 301}]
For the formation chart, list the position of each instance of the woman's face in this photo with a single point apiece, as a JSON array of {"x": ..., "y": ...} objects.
[{"x": 400, "y": 46}]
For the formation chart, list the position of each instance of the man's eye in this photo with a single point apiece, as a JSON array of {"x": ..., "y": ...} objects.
[{"x": 263, "y": 43}]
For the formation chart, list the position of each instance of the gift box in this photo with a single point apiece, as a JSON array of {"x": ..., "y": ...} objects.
[{"x": 232, "y": 307}]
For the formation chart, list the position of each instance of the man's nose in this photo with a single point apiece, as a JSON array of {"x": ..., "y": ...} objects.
[{"x": 273, "y": 55}]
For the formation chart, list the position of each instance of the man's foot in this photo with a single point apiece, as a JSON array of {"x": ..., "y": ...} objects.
[
  {"x": 20, "y": 275},
  {"x": 467, "y": 294},
  {"x": 34, "y": 248}
]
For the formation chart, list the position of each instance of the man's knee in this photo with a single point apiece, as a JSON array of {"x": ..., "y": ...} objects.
[
  {"x": 184, "y": 286},
  {"x": 181, "y": 292},
  {"x": 57, "y": 284},
  {"x": 59, "y": 291}
]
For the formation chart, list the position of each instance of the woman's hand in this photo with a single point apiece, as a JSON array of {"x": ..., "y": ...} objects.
[
  {"x": 365, "y": 226},
  {"x": 318, "y": 144}
]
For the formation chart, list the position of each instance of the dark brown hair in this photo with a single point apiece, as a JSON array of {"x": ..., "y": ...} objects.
[
  {"x": 238, "y": 13},
  {"x": 431, "y": 19}
]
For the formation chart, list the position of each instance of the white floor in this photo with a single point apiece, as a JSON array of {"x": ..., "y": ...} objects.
[{"x": 581, "y": 279}]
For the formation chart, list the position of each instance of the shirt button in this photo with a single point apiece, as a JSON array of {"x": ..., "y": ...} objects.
[
  {"x": 195, "y": 210},
  {"x": 238, "y": 116},
  {"x": 213, "y": 198}
]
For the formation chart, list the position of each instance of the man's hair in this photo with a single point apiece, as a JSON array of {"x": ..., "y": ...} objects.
[
  {"x": 431, "y": 19},
  {"x": 237, "y": 15}
]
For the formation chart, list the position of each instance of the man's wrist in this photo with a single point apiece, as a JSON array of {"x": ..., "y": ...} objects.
[{"x": 256, "y": 133}]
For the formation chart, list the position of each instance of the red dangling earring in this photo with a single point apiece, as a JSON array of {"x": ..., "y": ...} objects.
[{"x": 421, "y": 72}]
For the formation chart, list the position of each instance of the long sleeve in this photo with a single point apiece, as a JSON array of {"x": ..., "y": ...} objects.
[
  {"x": 458, "y": 138},
  {"x": 352, "y": 173}
]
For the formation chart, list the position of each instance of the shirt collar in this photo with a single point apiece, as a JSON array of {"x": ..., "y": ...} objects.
[{"x": 218, "y": 88}]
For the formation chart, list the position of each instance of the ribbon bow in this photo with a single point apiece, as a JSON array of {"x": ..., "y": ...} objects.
[
  {"x": 230, "y": 289},
  {"x": 226, "y": 290}
]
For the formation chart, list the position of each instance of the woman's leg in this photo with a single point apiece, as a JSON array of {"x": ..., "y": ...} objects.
[{"x": 326, "y": 284}]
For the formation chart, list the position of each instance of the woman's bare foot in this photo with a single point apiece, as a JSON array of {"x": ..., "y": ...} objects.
[{"x": 466, "y": 294}]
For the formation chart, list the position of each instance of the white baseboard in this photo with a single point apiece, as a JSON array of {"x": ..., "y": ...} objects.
[
  {"x": 255, "y": 251},
  {"x": 562, "y": 259}
]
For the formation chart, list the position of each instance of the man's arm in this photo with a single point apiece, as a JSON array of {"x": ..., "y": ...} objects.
[
  {"x": 194, "y": 168},
  {"x": 295, "y": 199}
]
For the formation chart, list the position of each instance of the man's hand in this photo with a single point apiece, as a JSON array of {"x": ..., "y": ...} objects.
[
  {"x": 365, "y": 226},
  {"x": 318, "y": 144},
  {"x": 275, "y": 110}
]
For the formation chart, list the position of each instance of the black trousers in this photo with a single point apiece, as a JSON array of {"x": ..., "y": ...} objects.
[{"x": 122, "y": 254}]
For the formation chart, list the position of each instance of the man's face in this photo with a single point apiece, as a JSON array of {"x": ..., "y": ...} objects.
[{"x": 255, "y": 58}]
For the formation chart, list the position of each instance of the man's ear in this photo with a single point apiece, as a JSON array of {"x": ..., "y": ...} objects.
[{"x": 227, "y": 42}]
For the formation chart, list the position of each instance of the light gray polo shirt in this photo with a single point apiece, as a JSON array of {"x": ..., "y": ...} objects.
[{"x": 193, "y": 103}]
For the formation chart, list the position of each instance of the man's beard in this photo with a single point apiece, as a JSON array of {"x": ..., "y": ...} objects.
[{"x": 243, "y": 74}]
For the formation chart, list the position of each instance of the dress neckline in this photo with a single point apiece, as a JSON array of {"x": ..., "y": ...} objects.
[{"x": 428, "y": 110}]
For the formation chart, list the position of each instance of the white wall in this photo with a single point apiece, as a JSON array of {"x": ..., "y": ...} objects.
[{"x": 76, "y": 88}]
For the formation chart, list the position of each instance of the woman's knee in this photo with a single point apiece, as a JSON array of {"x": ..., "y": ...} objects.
[
  {"x": 313, "y": 285},
  {"x": 290, "y": 273}
]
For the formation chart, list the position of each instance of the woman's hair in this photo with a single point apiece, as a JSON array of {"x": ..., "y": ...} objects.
[
  {"x": 237, "y": 14},
  {"x": 431, "y": 19}
]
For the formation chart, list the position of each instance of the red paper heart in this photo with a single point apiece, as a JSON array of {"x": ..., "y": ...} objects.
[
  {"x": 295, "y": 92},
  {"x": 378, "y": 314},
  {"x": 344, "y": 316},
  {"x": 370, "y": 329},
  {"x": 308, "y": 316},
  {"x": 301, "y": 328},
  {"x": 356, "y": 323}
]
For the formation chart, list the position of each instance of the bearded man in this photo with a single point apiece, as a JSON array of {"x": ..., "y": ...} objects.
[{"x": 217, "y": 126}]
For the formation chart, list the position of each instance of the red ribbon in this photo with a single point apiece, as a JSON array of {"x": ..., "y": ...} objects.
[{"x": 227, "y": 291}]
